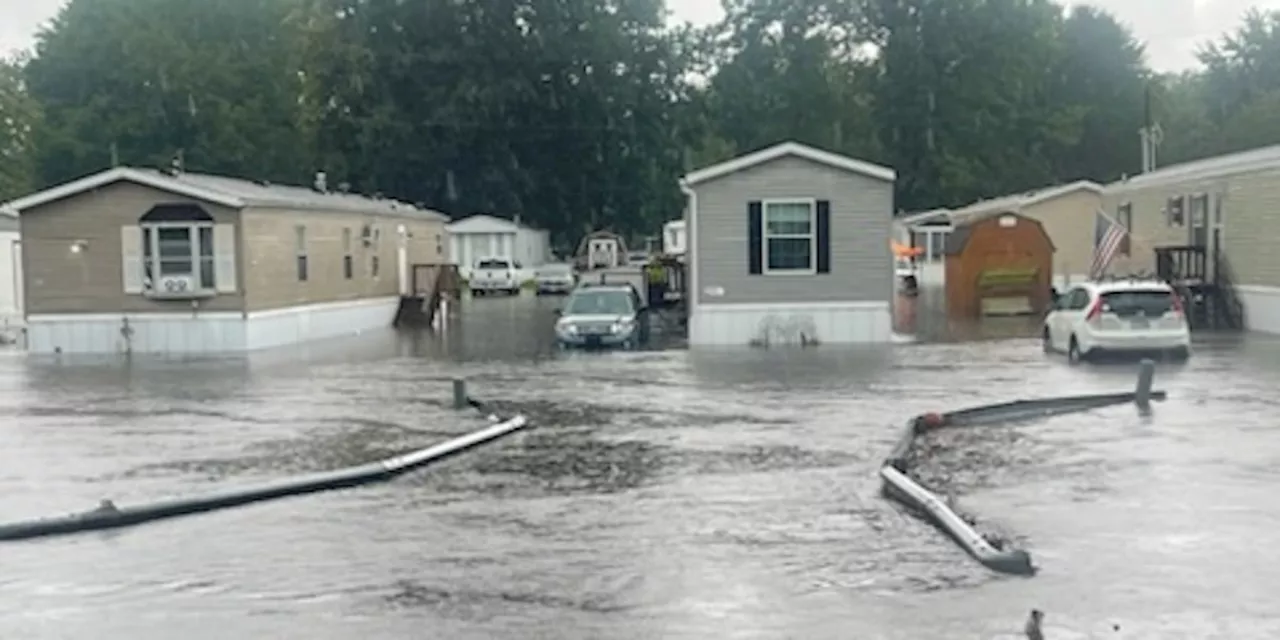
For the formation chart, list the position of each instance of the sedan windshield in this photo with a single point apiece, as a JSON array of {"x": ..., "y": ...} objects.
[
  {"x": 554, "y": 270},
  {"x": 601, "y": 303}
]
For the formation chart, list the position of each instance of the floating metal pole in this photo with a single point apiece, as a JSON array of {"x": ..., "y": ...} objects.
[
  {"x": 108, "y": 516},
  {"x": 909, "y": 492}
]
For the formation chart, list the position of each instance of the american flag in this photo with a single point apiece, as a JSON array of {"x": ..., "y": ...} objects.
[{"x": 1108, "y": 237}]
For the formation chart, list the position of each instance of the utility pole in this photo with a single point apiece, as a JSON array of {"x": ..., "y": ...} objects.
[{"x": 1150, "y": 134}]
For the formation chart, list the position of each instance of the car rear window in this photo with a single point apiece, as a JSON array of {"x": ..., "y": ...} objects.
[
  {"x": 493, "y": 264},
  {"x": 1153, "y": 302}
]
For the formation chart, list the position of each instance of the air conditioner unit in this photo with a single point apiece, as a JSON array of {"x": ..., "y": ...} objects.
[{"x": 175, "y": 285}]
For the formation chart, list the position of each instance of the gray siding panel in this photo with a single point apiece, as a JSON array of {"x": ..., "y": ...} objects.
[{"x": 861, "y": 224}]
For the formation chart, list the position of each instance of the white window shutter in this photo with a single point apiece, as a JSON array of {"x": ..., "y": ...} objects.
[
  {"x": 131, "y": 258},
  {"x": 224, "y": 257}
]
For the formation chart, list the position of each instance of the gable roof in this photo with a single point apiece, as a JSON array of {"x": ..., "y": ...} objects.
[
  {"x": 1016, "y": 202},
  {"x": 958, "y": 239},
  {"x": 485, "y": 217},
  {"x": 1245, "y": 161},
  {"x": 1004, "y": 204},
  {"x": 781, "y": 151},
  {"x": 228, "y": 192}
]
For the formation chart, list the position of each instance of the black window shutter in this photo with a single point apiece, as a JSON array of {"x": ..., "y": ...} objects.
[
  {"x": 755, "y": 238},
  {"x": 823, "y": 236}
]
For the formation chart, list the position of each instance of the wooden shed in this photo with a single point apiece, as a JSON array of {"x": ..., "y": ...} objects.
[{"x": 1000, "y": 264}]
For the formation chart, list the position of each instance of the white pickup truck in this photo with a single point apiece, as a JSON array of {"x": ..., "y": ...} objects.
[{"x": 492, "y": 275}]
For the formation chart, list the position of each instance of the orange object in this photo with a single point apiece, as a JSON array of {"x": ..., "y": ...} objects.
[{"x": 903, "y": 251}]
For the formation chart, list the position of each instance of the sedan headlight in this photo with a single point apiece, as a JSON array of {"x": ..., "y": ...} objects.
[
  {"x": 566, "y": 328},
  {"x": 623, "y": 326}
]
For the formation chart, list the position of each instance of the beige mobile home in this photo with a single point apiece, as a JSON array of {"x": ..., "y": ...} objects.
[
  {"x": 143, "y": 261},
  {"x": 1215, "y": 222}
]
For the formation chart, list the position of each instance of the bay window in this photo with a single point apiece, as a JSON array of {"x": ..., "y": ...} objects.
[{"x": 178, "y": 251}]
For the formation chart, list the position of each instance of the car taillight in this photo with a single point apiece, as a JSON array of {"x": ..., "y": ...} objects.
[
  {"x": 1177, "y": 304},
  {"x": 1095, "y": 310}
]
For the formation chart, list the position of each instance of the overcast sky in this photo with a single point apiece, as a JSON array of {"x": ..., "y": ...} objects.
[{"x": 1171, "y": 28}]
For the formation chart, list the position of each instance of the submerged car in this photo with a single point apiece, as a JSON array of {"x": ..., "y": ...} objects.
[
  {"x": 555, "y": 279},
  {"x": 603, "y": 316},
  {"x": 1118, "y": 318}
]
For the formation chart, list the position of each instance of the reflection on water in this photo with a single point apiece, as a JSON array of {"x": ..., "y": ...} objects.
[
  {"x": 663, "y": 494},
  {"x": 925, "y": 317}
]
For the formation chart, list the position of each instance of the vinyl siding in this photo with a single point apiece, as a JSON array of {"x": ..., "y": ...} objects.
[
  {"x": 55, "y": 280},
  {"x": 861, "y": 221},
  {"x": 1251, "y": 222},
  {"x": 1068, "y": 220},
  {"x": 270, "y": 257}
]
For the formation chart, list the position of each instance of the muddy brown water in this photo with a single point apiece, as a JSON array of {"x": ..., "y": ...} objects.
[{"x": 664, "y": 494}]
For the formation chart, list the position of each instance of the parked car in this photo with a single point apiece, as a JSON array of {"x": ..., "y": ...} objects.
[
  {"x": 492, "y": 275},
  {"x": 557, "y": 278},
  {"x": 603, "y": 315},
  {"x": 1118, "y": 317}
]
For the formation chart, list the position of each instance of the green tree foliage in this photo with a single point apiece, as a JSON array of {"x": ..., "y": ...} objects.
[
  {"x": 141, "y": 80},
  {"x": 582, "y": 114},
  {"x": 19, "y": 114}
]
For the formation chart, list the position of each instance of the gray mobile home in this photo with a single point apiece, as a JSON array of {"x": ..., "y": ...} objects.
[{"x": 789, "y": 244}]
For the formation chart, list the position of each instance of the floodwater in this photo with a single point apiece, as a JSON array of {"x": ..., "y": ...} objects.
[{"x": 663, "y": 494}]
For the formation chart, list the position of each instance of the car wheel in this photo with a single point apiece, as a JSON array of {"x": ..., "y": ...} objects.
[
  {"x": 1046, "y": 341},
  {"x": 1073, "y": 352},
  {"x": 1181, "y": 354}
]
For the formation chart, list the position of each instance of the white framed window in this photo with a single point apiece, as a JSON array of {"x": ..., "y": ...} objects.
[
  {"x": 178, "y": 259},
  {"x": 790, "y": 238},
  {"x": 178, "y": 251}
]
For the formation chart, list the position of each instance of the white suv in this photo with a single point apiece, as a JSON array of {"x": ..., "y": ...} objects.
[
  {"x": 492, "y": 275},
  {"x": 1138, "y": 316}
]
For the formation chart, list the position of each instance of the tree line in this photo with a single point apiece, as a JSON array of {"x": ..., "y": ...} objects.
[{"x": 582, "y": 114}]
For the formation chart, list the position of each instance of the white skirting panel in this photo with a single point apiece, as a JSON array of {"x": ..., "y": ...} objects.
[
  {"x": 214, "y": 332},
  {"x": 790, "y": 323},
  {"x": 1261, "y": 307},
  {"x": 293, "y": 325},
  {"x": 138, "y": 333}
]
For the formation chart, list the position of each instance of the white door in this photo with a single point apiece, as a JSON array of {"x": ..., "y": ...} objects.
[{"x": 402, "y": 261}]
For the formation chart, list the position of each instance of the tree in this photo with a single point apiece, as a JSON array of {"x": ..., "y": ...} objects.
[
  {"x": 19, "y": 113},
  {"x": 560, "y": 111},
  {"x": 792, "y": 72},
  {"x": 141, "y": 80},
  {"x": 1102, "y": 72}
]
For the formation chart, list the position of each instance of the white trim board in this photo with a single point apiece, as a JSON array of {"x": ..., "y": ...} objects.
[
  {"x": 210, "y": 315},
  {"x": 1256, "y": 160},
  {"x": 789, "y": 149},
  {"x": 797, "y": 306},
  {"x": 127, "y": 174}
]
